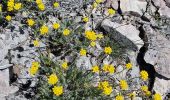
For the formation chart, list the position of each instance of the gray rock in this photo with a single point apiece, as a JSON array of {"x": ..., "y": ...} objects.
[
  {"x": 127, "y": 35},
  {"x": 5, "y": 88},
  {"x": 137, "y": 6},
  {"x": 163, "y": 7},
  {"x": 158, "y": 53}
]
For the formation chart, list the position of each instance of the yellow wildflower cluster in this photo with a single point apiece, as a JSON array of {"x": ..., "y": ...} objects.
[
  {"x": 66, "y": 32},
  {"x": 157, "y": 97},
  {"x": 128, "y": 65},
  {"x": 30, "y": 22},
  {"x": 56, "y": 4},
  {"x": 92, "y": 43},
  {"x": 65, "y": 65},
  {"x": 123, "y": 85},
  {"x": 100, "y": 36},
  {"x": 34, "y": 68},
  {"x": 11, "y": 5},
  {"x": 145, "y": 90},
  {"x": 132, "y": 95},
  {"x": 36, "y": 43},
  {"x": 95, "y": 69},
  {"x": 108, "y": 50},
  {"x": 107, "y": 89},
  {"x": 83, "y": 52},
  {"x": 119, "y": 97},
  {"x": 144, "y": 75},
  {"x": 43, "y": 30},
  {"x": 111, "y": 11},
  {"x": 53, "y": 79},
  {"x": 8, "y": 18},
  {"x": 91, "y": 35},
  {"x": 40, "y": 5},
  {"x": 58, "y": 90},
  {"x": 56, "y": 25},
  {"x": 108, "y": 68},
  {"x": 17, "y": 6},
  {"x": 85, "y": 19}
]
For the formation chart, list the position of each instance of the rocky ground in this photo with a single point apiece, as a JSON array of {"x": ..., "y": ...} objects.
[{"x": 148, "y": 17}]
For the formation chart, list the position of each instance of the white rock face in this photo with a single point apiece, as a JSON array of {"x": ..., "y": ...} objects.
[
  {"x": 5, "y": 88},
  {"x": 129, "y": 31},
  {"x": 133, "y": 5},
  {"x": 163, "y": 7},
  {"x": 158, "y": 53},
  {"x": 162, "y": 86}
]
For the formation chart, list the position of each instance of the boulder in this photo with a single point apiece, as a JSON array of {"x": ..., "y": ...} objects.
[{"x": 125, "y": 34}]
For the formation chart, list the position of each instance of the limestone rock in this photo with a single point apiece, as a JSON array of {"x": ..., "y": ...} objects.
[
  {"x": 5, "y": 88},
  {"x": 161, "y": 86},
  {"x": 127, "y": 34},
  {"x": 133, "y": 5},
  {"x": 163, "y": 7},
  {"x": 158, "y": 53}
]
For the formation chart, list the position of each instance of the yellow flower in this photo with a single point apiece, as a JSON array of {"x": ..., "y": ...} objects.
[
  {"x": 85, "y": 19},
  {"x": 111, "y": 11},
  {"x": 111, "y": 69},
  {"x": 144, "y": 75},
  {"x": 0, "y": 8},
  {"x": 53, "y": 79},
  {"x": 100, "y": 36},
  {"x": 103, "y": 84},
  {"x": 157, "y": 97},
  {"x": 36, "y": 43},
  {"x": 30, "y": 22},
  {"x": 128, "y": 65},
  {"x": 148, "y": 93},
  {"x": 108, "y": 50},
  {"x": 144, "y": 88},
  {"x": 66, "y": 32},
  {"x": 56, "y": 4},
  {"x": 10, "y": 8},
  {"x": 95, "y": 69},
  {"x": 94, "y": 5},
  {"x": 132, "y": 95},
  {"x": 58, "y": 90},
  {"x": 36, "y": 64},
  {"x": 56, "y": 25},
  {"x": 34, "y": 68},
  {"x": 91, "y": 35},
  {"x": 64, "y": 65},
  {"x": 44, "y": 30},
  {"x": 107, "y": 90},
  {"x": 123, "y": 84},
  {"x": 99, "y": 1},
  {"x": 8, "y": 18},
  {"x": 105, "y": 67},
  {"x": 119, "y": 97},
  {"x": 38, "y": 1},
  {"x": 41, "y": 6},
  {"x": 10, "y": 5},
  {"x": 17, "y": 6},
  {"x": 83, "y": 52},
  {"x": 93, "y": 43}
]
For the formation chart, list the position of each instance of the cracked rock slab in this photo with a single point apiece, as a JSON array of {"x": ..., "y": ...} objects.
[{"x": 125, "y": 33}]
